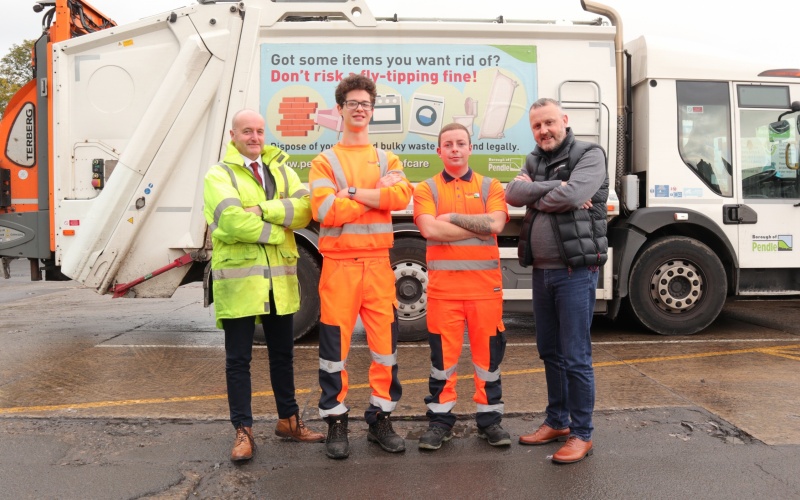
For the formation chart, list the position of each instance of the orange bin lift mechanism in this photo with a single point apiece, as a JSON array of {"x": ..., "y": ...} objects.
[{"x": 296, "y": 118}]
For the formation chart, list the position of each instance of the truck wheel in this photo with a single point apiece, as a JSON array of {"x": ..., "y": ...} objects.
[
  {"x": 677, "y": 286},
  {"x": 411, "y": 284},
  {"x": 307, "y": 318}
]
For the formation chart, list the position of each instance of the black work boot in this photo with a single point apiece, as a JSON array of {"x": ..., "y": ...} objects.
[
  {"x": 495, "y": 435},
  {"x": 434, "y": 437},
  {"x": 381, "y": 432},
  {"x": 336, "y": 444}
]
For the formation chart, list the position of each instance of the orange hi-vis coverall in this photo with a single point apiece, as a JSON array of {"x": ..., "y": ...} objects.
[
  {"x": 466, "y": 286},
  {"x": 357, "y": 277}
]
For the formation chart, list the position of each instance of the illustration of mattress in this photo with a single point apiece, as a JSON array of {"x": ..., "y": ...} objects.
[{"x": 496, "y": 114}]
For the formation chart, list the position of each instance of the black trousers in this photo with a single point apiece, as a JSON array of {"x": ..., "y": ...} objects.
[{"x": 239, "y": 353}]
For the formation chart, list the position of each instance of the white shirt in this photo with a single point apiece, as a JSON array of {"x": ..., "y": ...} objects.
[{"x": 248, "y": 161}]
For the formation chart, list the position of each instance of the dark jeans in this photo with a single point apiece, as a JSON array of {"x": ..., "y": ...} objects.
[
  {"x": 563, "y": 304},
  {"x": 239, "y": 352}
]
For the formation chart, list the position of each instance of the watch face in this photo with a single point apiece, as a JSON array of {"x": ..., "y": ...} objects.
[{"x": 351, "y": 190}]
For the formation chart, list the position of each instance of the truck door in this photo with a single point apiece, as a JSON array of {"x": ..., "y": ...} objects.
[{"x": 767, "y": 188}]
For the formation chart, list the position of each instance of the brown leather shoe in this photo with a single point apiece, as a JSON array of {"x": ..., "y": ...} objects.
[
  {"x": 296, "y": 430},
  {"x": 545, "y": 434},
  {"x": 244, "y": 445},
  {"x": 574, "y": 451}
]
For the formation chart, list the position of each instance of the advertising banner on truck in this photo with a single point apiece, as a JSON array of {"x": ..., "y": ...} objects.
[{"x": 421, "y": 88}]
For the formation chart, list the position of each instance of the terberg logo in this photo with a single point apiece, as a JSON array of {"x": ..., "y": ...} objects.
[
  {"x": 772, "y": 243},
  {"x": 21, "y": 148}
]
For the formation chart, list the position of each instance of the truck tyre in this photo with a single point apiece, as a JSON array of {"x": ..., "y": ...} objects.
[
  {"x": 306, "y": 319},
  {"x": 677, "y": 286},
  {"x": 411, "y": 284}
]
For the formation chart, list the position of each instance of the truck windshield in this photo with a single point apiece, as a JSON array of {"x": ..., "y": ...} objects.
[{"x": 704, "y": 133}]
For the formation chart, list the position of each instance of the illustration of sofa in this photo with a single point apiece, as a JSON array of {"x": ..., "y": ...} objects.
[{"x": 330, "y": 119}]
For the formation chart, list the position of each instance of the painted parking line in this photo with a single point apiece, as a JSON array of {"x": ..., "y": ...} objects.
[
  {"x": 789, "y": 352},
  {"x": 466, "y": 343}
]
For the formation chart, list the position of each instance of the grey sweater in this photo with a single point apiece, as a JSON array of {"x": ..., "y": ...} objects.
[{"x": 550, "y": 197}]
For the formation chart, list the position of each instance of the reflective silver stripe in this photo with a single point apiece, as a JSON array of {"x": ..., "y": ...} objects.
[
  {"x": 485, "y": 375},
  {"x": 434, "y": 193},
  {"x": 300, "y": 193},
  {"x": 463, "y": 265},
  {"x": 485, "y": 185},
  {"x": 233, "y": 176},
  {"x": 383, "y": 404},
  {"x": 266, "y": 307},
  {"x": 490, "y": 408},
  {"x": 469, "y": 242},
  {"x": 336, "y": 166},
  {"x": 383, "y": 161},
  {"x": 443, "y": 374},
  {"x": 213, "y": 227},
  {"x": 242, "y": 272},
  {"x": 289, "y": 209},
  {"x": 337, "y": 410},
  {"x": 323, "y": 183},
  {"x": 384, "y": 359},
  {"x": 221, "y": 206},
  {"x": 265, "y": 232},
  {"x": 332, "y": 366},
  {"x": 283, "y": 271},
  {"x": 325, "y": 206},
  {"x": 284, "y": 193},
  {"x": 378, "y": 228},
  {"x": 441, "y": 407}
]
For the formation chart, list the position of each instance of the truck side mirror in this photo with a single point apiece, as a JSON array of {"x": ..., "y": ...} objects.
[{"x": 779, "y": 127}]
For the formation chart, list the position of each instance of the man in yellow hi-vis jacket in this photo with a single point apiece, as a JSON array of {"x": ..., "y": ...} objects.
[{"x": 252, "y": 204}]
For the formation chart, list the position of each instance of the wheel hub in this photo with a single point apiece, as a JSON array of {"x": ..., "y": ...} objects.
[
  {"x": 411, "y": 285},
  {"x": 676, "y": 286}
]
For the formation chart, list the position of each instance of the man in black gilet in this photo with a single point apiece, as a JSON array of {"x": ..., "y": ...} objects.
[{"x": 564, "y": 185}]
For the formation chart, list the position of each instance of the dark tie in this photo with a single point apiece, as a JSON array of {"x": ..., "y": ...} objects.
[{"x": 256, "y": 172}]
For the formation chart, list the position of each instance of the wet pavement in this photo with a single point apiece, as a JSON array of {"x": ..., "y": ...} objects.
[{"x": 128, "y": 395}]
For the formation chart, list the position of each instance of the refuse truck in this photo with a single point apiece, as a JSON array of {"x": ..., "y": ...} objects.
[{"x": 104, "y": 151}]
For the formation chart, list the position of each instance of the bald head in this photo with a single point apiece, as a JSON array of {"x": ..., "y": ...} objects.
[{"x": 247, "y": 133}]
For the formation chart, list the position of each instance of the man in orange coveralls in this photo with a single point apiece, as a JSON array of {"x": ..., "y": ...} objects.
[
  {"x": 459, "y": 212},
  {"x": 354, "y": 188}
]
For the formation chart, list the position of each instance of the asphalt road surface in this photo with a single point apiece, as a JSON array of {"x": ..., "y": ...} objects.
[{"x": 125, "y": 398}]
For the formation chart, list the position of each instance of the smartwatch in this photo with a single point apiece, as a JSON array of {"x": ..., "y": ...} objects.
[{"x": 351, "y": 191}]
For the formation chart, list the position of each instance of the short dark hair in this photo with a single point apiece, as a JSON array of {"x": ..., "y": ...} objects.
[
  {"x": 355, "y": 82},
  {"x": 545, "y": 101},
  {"x": 454, "y": 126}
]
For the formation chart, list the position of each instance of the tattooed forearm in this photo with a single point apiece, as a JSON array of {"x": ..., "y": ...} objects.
[{"x": 478, "y": 224}]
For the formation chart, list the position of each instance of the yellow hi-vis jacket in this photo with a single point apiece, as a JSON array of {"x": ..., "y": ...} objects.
[{"x": 253, "y": 254}]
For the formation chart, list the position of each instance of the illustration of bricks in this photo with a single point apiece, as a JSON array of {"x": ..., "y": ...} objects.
[{"x": 296, "y": 117}]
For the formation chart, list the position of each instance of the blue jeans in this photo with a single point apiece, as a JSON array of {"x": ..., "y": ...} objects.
[{"x": 563, "y": 304}]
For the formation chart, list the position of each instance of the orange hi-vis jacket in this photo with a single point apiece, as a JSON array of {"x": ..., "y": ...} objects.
[
  {"x": 348, "y": 229},
  {"x": 466, "y": 269}
]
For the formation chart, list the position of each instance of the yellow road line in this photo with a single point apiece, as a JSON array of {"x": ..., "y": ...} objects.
[{"x": 779, "y": 351}]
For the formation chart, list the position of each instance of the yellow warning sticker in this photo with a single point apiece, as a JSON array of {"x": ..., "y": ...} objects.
[{"x": 130, "y": 220}]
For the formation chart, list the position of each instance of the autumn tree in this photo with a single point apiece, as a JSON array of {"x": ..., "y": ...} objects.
[{"x": 15, "y": 71}]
